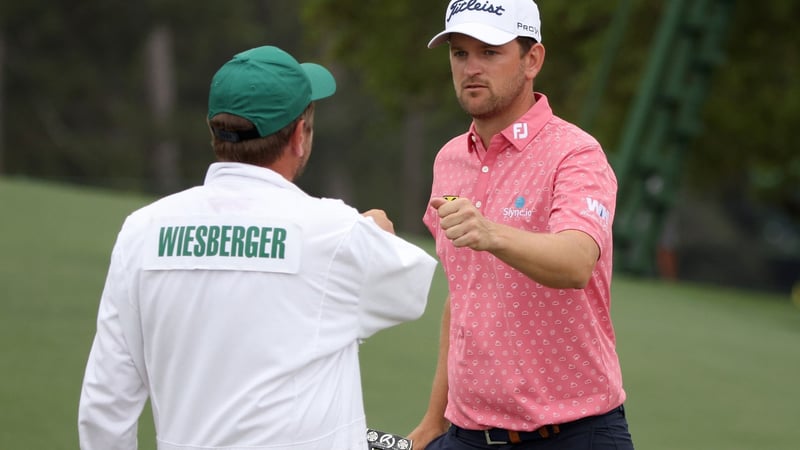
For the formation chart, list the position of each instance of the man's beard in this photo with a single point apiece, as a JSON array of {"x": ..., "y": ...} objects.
[{"x": 496, "y": 103}]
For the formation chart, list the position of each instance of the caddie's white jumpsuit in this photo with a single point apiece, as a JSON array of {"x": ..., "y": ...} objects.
[{"x": 237, "y": 307}]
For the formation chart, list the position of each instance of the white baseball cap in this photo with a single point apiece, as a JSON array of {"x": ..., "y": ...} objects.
[{"x": 495, "y": 22}]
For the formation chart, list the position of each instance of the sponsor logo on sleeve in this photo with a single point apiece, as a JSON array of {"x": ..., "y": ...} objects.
[{"x": 598, "y": 209}]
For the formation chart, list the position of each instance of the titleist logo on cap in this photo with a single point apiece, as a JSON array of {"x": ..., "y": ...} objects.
[
  {"x": 494, "y": 22},
  {"x": 474, "y": 5}
]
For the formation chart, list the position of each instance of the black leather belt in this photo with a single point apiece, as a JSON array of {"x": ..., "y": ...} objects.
[{"x": 499, "y": 436}]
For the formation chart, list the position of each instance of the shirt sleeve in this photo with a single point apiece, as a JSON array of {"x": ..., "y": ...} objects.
[
  {"x": 113, "y": 393},
  {"x": 584, "y": 195},
  {"x": 397, "y": 279}
]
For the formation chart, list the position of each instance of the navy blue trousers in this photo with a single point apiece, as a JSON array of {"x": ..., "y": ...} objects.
[{"x": 605, "y": 432}]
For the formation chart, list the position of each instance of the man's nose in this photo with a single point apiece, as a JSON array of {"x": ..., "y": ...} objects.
[{"x": 472, "y": 66}]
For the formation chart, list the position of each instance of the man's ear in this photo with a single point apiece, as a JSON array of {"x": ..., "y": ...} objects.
[
  {"x": 210, "y": 129},
  {"x": 298, "y": 139},
  {"x": 536, "y": 60}
]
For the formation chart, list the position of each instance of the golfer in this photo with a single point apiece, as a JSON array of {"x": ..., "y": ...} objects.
[
  {"x": 237, "y": 307},
  {"x": 521, "y": 209}
]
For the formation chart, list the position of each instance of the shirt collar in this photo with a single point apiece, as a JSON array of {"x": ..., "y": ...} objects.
[
  {"x": 520, "y": 133},
  {"x": 230, "y": 173}
]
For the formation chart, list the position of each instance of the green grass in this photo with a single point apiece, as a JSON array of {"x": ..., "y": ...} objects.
[{"x": 704, "y": 367}]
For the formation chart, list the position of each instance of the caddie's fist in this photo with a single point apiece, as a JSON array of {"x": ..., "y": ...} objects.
[{"x": 381, "y": 219}]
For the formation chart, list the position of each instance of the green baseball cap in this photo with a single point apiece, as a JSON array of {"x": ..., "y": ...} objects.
[{"x": 268, "y": 87}]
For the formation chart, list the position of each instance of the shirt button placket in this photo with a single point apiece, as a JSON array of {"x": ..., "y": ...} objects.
[{"x": 484, "y": 169}]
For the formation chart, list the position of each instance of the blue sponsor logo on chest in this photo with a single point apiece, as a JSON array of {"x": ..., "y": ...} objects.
[{"x": 518, "y": 210}]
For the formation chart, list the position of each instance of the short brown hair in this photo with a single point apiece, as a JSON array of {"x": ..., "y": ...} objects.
[
  {"x": 261, "y": 151},
  {"x": 525, "y": 44}
]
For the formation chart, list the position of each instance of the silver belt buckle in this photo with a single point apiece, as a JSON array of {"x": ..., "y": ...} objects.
[{"x": 489, "y": 440}]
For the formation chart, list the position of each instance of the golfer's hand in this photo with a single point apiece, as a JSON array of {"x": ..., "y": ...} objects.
[
  {"x": 424, "y": 434},
  {"x": 381, "y": 219},
  {"x": 463, "y": 223}
]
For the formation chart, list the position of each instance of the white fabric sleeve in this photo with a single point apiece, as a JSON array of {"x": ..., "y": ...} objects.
[
  {"x": 397, "y": 279},
  {"x": 113, "y": 393}
]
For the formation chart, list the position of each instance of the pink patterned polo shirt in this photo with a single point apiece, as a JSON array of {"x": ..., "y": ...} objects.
[{"x": 523, "y": 355}]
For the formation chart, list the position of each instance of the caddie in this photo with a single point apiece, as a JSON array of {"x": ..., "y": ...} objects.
[{"x": 237, "y": 307}]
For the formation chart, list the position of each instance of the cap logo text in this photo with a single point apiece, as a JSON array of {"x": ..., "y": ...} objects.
[
  {"x": 474, "y": 5},
  {"x": 528, "y": 28}
]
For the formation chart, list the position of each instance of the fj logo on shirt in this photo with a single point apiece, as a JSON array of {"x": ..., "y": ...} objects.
[
  {"x": 222, "y": 240},
  {"x": 520, "y": 130}
]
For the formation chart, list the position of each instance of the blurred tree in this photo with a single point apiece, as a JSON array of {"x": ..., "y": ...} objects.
[
  {"x": 75, "y": 92},
  {"x": 751, "y": 117},
  {"x": 62, "y": 58},
  {"x": 2, "y": 101},
  {"x": 161, "y": 89},
  {"x": 384, "y": 44}
]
